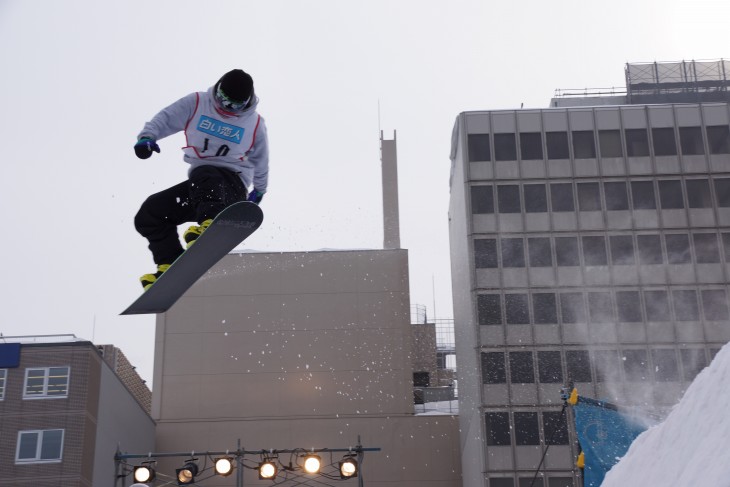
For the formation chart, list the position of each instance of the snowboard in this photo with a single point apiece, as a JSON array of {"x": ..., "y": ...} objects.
[{"x": 231, "y": 227}]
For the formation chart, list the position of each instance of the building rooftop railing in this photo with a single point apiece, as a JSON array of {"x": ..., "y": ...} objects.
[
  {"x": 588, "y": 92},
  {"x": 60, "y": 338}
]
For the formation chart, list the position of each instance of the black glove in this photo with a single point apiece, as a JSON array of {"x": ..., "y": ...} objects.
[
  {"x": 144, "y": 147},
  {"x": 255, "y": 196}
]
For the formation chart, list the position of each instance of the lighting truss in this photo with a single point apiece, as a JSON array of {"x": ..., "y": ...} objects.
[{"x": 288, "y": 465}]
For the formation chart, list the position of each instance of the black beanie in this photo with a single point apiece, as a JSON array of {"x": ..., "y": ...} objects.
[{"x": 237, "y": 85}]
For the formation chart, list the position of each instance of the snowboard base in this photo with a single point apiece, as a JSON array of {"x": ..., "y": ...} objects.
[{"x": 231, "y": 227}]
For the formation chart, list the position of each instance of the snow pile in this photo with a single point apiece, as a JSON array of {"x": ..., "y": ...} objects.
[{"x": 692, "y": 446}]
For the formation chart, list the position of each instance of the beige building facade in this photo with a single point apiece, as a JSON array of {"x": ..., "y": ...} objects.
[{"x": 300, "y": 350}]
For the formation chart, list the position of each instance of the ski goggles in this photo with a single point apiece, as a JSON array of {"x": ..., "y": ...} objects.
[{"x": 228, "y": 104}]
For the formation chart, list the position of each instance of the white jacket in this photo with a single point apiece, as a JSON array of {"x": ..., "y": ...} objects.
[{"x": 238, "y": 143}]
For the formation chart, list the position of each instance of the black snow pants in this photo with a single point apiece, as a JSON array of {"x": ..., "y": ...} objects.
[{"x": 207, "y": 191}]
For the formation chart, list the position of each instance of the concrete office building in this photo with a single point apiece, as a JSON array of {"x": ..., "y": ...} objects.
[
  {"x": 65, "y": 404},
  {"x": 590, "y": 245}
]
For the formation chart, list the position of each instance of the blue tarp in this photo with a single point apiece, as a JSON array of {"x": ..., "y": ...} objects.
[{"x": 605, "y": 435}]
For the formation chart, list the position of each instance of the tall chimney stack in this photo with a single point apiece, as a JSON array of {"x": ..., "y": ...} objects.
[{"x": 391, "y": 221}]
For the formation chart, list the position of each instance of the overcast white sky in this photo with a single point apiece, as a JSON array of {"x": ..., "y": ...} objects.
[{"x": 78, "y": 79}]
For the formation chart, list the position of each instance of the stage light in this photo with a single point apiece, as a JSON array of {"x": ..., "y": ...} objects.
[
  {"x": 267, "y": 470},
  {"x": 348, "y": 467},
  {"x": 312, "y": 463},
  {"x": 223, "y": 466},
  {"x": 144, "y": 474},
  {"x": 186, "y": 475}
]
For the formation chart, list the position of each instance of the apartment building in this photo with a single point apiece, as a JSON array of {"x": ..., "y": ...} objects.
[{"x": 64, "y": 410}]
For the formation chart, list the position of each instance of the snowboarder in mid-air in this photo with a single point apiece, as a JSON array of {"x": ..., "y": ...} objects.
[{"x": 227, "y": 149}]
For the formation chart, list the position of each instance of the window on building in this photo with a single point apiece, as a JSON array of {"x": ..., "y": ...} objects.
[
  {"x": 566, "y": 251},
  {"x": 493, "y": 368},
  {"x": 482, "y": 200},
  {"x": 485, "y": 253},
  {"x": 690, "y": 141},
  {"x": 610, "y": 143},
  {"x": 608, "y": 365},
  {"x": 521, "y": 368},
  {"x": 628, "y": 305},
  {"x": 726, "y": 245},
  {"x": 557, "y": 145},
  {"x": 622, "y": 249},
  {"x": 540, "y": 252},
  {"x": 505, "y": 147},
  {"x": 664, "y": 141},
  {"x": 600, "y": 307},
  {"x": 637, "y": 142},
  {"x": 544, "y": 310},
  {"x": 489, "y": 309},
  {"x": 666, "y": 368},
  {"x": 513, "y": 252},
  {"x": 617, "y": 198},
  {"x": 722, "y": 192},
  {"x": 718, "y": 138},
  {"x": 517, "y": 309},
  {"x": 527, "y": 431},
  {"x": 508, "y": 198},
  {"x": 560, "y": 482},
  {"x": 572, "y": 308},
  {"x": 670, "y": 194},
  {"x": 561, "y": 196},
  {"x": 714, "y": 305},
  {"x": 502, "y": 482},
  {"x": 478, "y": 147},
  {"x": 3, "y": 380},
  {"x": 531, "y": 146},
  {"x": 698, "y": 193},
  {"x": 530, "y": 482},
  {"x": 535, "y": 198},
  {"x": 584, "y": 145},
  {"x": 657, "y": 306},
  {"x": 642, "y": 194},
  {"x": 578, "y": 365},
  {"x": 707, "y": 249},
  {"x": 636, "y": 365},
  {"x": 678, "y": 248},
  {"x": 39, "y": 446},
  {"x": 549, "y": 367},
  {"x": 685, "y": 305},
  {"x": 693, "y": 361},
  {"x": 46, "y": 382},
  {"x": 497, "y": 427},
  {"x": 589, "y": 197},
  {"x": 555, "y": 428},
  {"x": 650, "y": 249},
  {"x": 594, "y": 250},
  {"x": 445, "y": 360},
  {"x": 421, "y": 379}
]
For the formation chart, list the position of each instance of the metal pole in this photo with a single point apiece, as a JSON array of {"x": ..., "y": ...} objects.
[
  {"x": 239, "y": 470},
  {"x": 360, "y": 458},
  {"x": 117, "y": 465}
]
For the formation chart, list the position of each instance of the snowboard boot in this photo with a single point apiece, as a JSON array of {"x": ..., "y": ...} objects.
[
  {"x": 149, "y": 279},
  {"x": 192, "y": 233}
]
